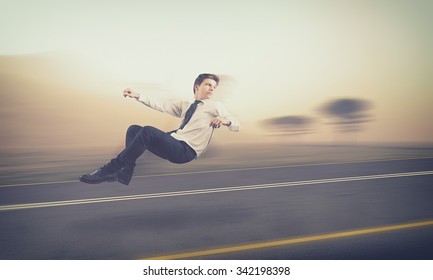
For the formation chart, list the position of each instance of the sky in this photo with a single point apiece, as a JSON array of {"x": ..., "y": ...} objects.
[{"x": 285, "y": 59}]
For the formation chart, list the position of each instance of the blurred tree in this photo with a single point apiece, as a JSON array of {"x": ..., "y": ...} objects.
[{"x": 347, "y": 114}]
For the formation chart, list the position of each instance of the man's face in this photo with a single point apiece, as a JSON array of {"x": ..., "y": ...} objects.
[{"x": 205, "y": 90}]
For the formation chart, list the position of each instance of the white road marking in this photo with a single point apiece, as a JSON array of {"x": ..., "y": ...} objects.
[
  {"x": 221, "y": 171},
  {"x": 208, "y": 191}
]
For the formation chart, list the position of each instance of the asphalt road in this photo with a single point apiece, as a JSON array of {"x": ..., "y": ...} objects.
[{"x": 380, "y": 209}]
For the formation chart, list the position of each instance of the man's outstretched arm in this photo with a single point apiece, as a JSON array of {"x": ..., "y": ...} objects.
[{"x": 164, "y": 106}]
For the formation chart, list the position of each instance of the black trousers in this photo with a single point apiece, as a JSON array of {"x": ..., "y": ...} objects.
[{"x": 139, "y": 139}]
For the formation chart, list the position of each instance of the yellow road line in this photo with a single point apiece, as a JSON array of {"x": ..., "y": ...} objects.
[
  {"x": 209, "y": 191},
  {"x": 290, "y": 241},
  {"x": 222, "y": 170}
]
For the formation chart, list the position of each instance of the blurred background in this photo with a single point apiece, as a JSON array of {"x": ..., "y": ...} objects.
[{"x": 310, "y": 81}]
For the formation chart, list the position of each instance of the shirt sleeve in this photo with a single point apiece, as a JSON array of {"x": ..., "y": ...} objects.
[
  {"x": 223, "y": 113},
  {"x": 172, "y": 107}
]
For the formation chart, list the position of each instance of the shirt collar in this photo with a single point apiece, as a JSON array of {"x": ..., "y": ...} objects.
[{"x": 204, "y": 101}]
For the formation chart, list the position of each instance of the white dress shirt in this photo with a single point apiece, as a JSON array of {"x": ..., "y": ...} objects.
[{"x": 198, "y": 132}]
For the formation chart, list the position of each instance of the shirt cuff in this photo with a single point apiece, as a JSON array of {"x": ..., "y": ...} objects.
[{"x": 234, "y": 126}]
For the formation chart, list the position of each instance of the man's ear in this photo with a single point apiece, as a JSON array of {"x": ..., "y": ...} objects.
[{"x": 195, "y": 88}]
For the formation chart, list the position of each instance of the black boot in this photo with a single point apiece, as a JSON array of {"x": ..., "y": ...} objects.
[
  {"x": 124, "y": 175},
  {"x": 106, "y": 173}
]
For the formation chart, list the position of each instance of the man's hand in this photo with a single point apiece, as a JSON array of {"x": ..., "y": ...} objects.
[
  {"x": 130, "y": 93},
  {"x": 217, "y": 122}
]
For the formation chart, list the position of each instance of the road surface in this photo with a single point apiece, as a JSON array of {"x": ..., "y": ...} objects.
[{"x": 380, "y": 209}]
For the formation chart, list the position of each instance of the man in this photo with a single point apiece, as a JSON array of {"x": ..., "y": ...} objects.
[{"x": 199, "y": 120}]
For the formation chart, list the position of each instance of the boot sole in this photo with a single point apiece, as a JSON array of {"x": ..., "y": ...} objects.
[
  {"x": 123, "y": 181},
  {"x": 122, "y": 178},
  {"x": 98, "y": 182}
]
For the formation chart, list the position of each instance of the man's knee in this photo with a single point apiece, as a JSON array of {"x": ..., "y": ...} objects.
[
  {"x": 132, "y": 131},
  {"x": 148, "y": 129},
  {"x": 134, "y": 128}
]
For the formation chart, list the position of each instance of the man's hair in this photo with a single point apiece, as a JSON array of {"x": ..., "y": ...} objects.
[{"x": 203, "y": 77}]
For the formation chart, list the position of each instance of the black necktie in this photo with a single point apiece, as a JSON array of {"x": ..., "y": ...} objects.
[{"x": 189, "y": 113}]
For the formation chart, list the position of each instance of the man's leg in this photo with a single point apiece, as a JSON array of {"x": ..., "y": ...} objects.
[
  {"x": 138, "y": 140},
  {"x": 108, "y": 171},
  {"x": 156, "y": 141},
  {"x": 159, "y": 143}
]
